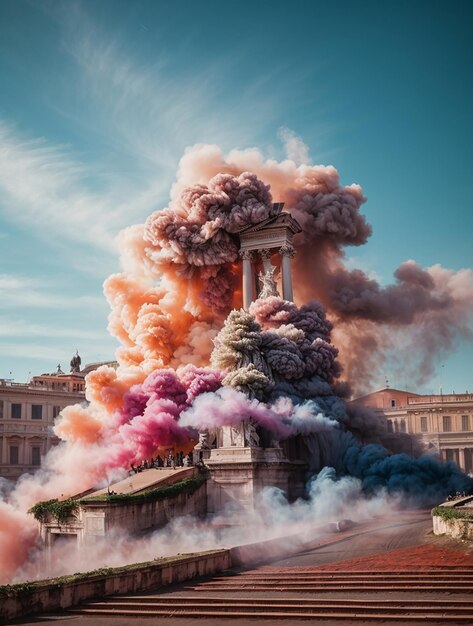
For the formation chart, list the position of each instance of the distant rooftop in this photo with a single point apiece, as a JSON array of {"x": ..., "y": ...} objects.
[{"x": 58, "y": 380}]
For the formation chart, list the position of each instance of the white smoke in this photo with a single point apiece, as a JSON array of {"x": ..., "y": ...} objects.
[{"x": 330, "y": 500}]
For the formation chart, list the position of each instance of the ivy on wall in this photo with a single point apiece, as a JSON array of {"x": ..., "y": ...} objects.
[
  {"x": 189, "y": 485},
  {"x": 59, "y": 510},
  {"x": 62, "y": 510},
  {"x": 450, "y": 512}
]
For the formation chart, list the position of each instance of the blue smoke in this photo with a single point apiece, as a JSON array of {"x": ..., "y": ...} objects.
[{"x": 424, "y": 480}]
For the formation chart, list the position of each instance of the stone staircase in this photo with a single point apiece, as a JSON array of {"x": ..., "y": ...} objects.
[{"x": 308, "y": 593}]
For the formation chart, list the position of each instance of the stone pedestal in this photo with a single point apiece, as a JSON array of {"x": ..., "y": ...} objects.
[{"x": 238, "y": 474}]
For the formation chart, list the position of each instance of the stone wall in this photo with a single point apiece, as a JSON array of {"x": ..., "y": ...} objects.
[
  {"x": 145, "y": 516},
  {"x": 456, "y": 528},
  {"x": 454, "y": 518},
  {"x": 61, "y": 593},
  {"x": 96, "y": 519}
]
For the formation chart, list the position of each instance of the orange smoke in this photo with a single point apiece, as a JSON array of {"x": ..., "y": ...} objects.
[
  {"x": 18, "y": 535},
  {"x": 78, "y": 424}
]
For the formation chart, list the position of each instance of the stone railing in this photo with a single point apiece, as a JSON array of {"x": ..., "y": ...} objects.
[
  {"x": 61, "y": 593},
  {"x": 440, "y": 399}
]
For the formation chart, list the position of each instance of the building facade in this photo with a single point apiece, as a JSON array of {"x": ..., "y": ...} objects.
[
  {"x": 27, "y": 415},
  {"x": 441, "y": 422}
]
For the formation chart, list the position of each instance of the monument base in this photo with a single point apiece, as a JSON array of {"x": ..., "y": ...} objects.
[{"x": 238, "y": 474}]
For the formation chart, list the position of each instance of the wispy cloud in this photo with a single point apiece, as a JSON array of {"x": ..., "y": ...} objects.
[
  {"x": 21, "y": 292},
  {"x": 50, "y": 353},
  {"x": 42, "y": 186},
  {"x": 147, "y": 119},
  {"x": 134, "y": 117},
  {"x": 20, "y": 328},
  {"x": 154, "y": 111},
  {"x": 294, "y": 146},
  {"x": 356, "y": 263},
  {"x": 139, "y": 116}
]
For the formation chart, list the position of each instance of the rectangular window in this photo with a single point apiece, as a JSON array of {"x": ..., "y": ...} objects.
[
  {"x": 14, "y": 455},
  {"x": 36, "y": 411},
  {"x": 1, "y": 409},
  {"x": 35, "y": 455},
  {"x": 465, "y": 422},
  {"x": 16, "y": 411},
  {"x": 393, "y": 403},
  {"x": 56, "y": 410},
  {"x": 447, "y": 423},
  {"x": 423, "y": 424}
]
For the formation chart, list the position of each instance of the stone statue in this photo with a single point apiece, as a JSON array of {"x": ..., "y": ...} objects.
[
  {"x": 268, "y": 281},
  {"x": 203, "y": 440},
  {"x": 251, "y": 436},
  {"x": 237, "y": 436},
  {"x": 76, "y": 362}
]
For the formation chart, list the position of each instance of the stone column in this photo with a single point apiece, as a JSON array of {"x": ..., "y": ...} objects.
[
  {"x": 22, "y": 460},
  {"x": 455, "y": 456},
  {"x": 4, "y": 451},
  {"x": 468, "y": 460},
  {"x": 246, "y": 255},
  {"x": 461, "y": 459},
  {"x": 286, "y": 252}
]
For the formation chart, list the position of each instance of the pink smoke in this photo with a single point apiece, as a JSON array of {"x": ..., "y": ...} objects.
[{"x": 228, "y": 406}]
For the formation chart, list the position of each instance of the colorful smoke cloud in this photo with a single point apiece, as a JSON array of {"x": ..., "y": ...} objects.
[{"x": 191, "y": 359}]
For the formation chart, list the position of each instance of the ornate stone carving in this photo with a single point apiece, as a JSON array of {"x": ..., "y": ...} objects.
[
  {"x": 287, "y": 250},
  {"x": 251, "y": 436},
  {"x": 246, "y": 255},
  {"x": 237, "y": 436},
  {"x": 265, "y": 253}
]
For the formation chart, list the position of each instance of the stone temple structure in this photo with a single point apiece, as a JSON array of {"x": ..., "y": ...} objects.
[
  {"x": 259, "y": 243},
  {"x": 239, "y": 463}
]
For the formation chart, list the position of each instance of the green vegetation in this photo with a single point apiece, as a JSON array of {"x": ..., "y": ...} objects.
[
  {"x": 450, "y": 512},
  {"x": 189, "y": 485},
  {"x": 5, "y": 590},
  {"x": 60, "y": 510},
  {"x": 64, "y": 509}
]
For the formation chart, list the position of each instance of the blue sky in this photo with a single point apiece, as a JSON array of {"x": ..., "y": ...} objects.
[{"x": 98, "y": 101}]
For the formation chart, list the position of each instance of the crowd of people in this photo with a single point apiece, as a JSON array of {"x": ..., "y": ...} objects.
[
  {"x": 455, "y": 496},
  {"x": 171, "y": 461}
]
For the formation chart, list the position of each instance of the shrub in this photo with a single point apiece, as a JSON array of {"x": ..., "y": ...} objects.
[
  {"x": 450, "y": 512},
  {"x": 58, "y": 509},
  {"x": 189, "y": 485}
]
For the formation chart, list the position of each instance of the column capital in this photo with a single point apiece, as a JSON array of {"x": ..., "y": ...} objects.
[
  {"x": 287, "y": 250},
  {"x": 265, "y": 253},
  {"x": 246, "y": 255}
]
